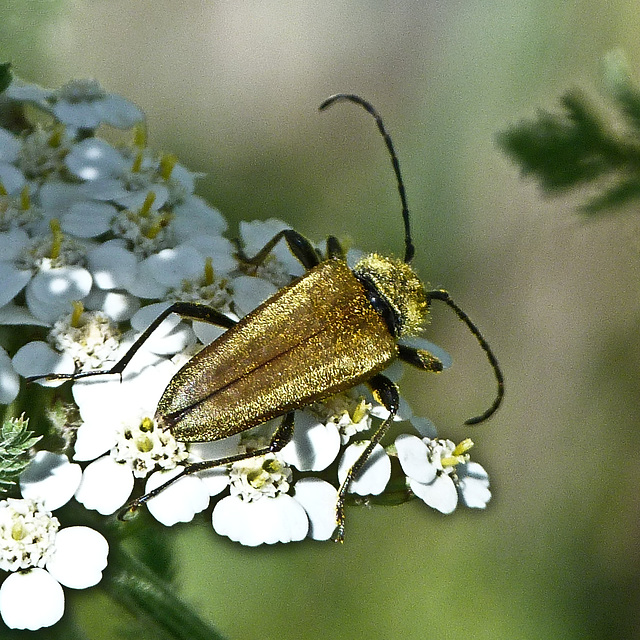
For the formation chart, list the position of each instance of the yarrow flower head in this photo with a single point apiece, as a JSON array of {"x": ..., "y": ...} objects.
[
  {"x": 438, "y": 471},
  {"x": 39, "y": 554},
  {"x": 97, "y": 240}
]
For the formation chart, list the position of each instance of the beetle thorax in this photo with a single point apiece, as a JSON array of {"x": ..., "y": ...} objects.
[{"x": 400, "y": 288}]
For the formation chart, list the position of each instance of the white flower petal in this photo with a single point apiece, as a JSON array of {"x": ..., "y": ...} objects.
[
  {"x": 50, "y": 293},
  {"x": 12, "y": 242},
  {"x": 249, "y": 292},
  {"x": 13, "y": 281},
  {"x": 263, "y": 521},
  {"x": 319, "y": 499},
  {"x": 314, "y": 445},
  {"x": 473, "y": 485},
  {"x": 31, "y": 600},
  {"x": 9, "y": 379},
  {"x": 79, "y": 558},
  {"x": 106, "y": 485},
  {"x": 219, "y": 249},
  {"x": 38, "y": 358},
  {"x": 195, "y": 217},
  {"x": 374, "y": 475},
  {"x": 119, "y": 306},
  {"x": 88, "y": 219},
  {"x": 180, "y": 501},
  {"x": 50, "y": 478},
  {"x": 112, "y": 265},
  {"x": 171, "y": 266},
  {"x": 441, "y": 494},
  {"x": 12, "y": 178},
  {"x": 94, "y": 437},
  {"x": 93, "y": 159},
  {"x": 412, "y": 454}
]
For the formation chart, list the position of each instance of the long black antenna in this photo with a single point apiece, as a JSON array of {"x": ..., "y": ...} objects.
[{"x": 409, "y": 249}]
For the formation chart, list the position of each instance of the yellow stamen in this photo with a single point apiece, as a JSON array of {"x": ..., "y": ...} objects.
[
  {"x": 209, "y": 276},
  {"x": 56, "y": 241},
  {"x": 25, "y": 198},
  {"x": 76, "y": 315},
  {"x": 55, "y": 139},
  {"x": 148, "y": 203},
  {"x": 137, "y": 163},
  {"x": 140, "y": 136},
  {"x": 167, "y": 163}
]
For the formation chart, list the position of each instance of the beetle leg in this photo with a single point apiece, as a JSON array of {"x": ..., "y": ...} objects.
[
  {"x": 299, "y": 246},
  {"x": 420, "y": 358},
  {"x": 386, "y": 392},
  {"x": 279, "y": 439},
  {"x": 190, "y": 310}
]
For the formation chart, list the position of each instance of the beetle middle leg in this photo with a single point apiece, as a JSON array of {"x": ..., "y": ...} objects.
[
  {"x": 281, "y": 437},
  {"x": 387, "y": 393}
]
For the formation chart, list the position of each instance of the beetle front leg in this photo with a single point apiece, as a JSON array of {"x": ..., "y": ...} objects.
[
  {"x": 190, "y": 310},
  {"x": 280, "y": 438},
  {"x": 386, "y": 392}
]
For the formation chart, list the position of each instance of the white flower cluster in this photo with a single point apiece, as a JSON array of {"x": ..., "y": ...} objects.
[{"x": 96, "y": 240}]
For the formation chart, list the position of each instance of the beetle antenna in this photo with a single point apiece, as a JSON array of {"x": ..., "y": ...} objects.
[
  {"x": 409, "y": 249},
  {"x": 443, "y": 296}
]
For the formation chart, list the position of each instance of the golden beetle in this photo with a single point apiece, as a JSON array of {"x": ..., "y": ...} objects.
[{"x": 330, "y": 329}]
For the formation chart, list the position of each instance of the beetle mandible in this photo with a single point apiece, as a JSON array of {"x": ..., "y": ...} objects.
[{"x": 325, "y": 332}]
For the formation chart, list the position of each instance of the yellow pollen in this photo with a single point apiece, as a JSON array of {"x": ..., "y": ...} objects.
[
  {"x": 25, "y": 198},
  {"x": 18, "y": 531},
  {"x": 76, "y": 315},
  {"x": 56, "y": 241},
  {"x": 360, "y": 411},
  {"x": 146, "y": 424},
  {"x": 209, "y": 276},
  {"x": 257, "y": 479},
  {"x": 463, "y": 447},
  {"x": 144, "y": 444},
  {"x": 167, "y": 163}
]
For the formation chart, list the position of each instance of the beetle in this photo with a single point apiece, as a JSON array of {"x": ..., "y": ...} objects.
[{"x": 325, "y": 332}]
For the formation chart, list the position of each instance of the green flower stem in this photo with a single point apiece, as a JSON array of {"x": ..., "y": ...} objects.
[{"x": 139, "y": 589}]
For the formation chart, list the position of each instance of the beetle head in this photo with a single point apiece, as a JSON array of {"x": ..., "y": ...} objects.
[{"x": 400, "y": 289}]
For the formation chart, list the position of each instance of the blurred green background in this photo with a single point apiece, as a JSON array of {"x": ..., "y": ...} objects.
[{"x": 232, "y": 89}]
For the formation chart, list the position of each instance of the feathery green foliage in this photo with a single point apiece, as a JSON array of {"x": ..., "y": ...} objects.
[
  {"x": 16, "y": 441},
  {"x": 580, "y": 146}
]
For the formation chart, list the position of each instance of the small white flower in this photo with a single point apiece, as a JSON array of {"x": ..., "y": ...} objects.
[
  {"x": 41, "y": 557},
  {"x": 438, "y": 471},
  {"x": 82, "y": 104},
  {"x": 118, "y": 421},
  {"x": 259, "y": 509}
]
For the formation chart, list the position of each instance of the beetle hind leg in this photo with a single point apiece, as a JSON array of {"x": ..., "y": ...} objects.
[
  {"x": 387, "y": 393},
  {"x": 279, "y": 439}
]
